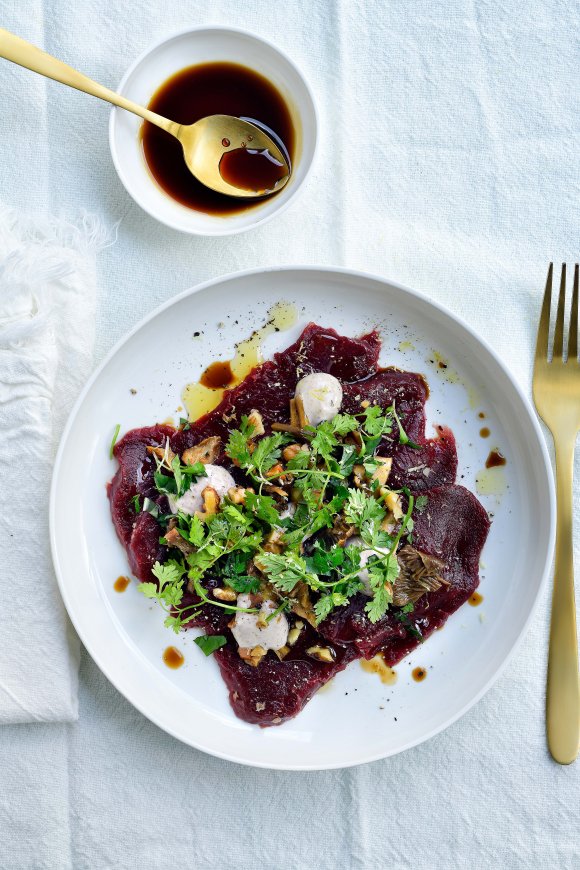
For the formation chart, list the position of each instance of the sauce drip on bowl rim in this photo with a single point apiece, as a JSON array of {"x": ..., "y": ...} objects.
[{"x": 213, "y": 89}]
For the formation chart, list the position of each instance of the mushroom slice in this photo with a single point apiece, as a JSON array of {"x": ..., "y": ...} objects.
[
  {"x": 175, "y": 539},
  {"x": 420, "y": 573},
  {"x": 207, "y": 451}
]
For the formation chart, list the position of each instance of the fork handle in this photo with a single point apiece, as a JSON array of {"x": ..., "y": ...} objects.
[
  {"x": 563, "y": 689},
  {"x": 25, "y": 54}
]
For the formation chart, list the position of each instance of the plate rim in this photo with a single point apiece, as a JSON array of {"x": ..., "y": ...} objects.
[{"x": 357, "y": 275}]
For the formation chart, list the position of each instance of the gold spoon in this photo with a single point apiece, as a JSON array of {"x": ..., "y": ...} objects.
[{"x": 204, "y": 143}]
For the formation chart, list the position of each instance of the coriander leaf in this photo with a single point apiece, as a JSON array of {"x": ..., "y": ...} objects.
[
  {"x": 323, "y": 561},
  {"x": 323, "y": 607},
  {"x": 136, "y": 503},
  {"x": 267, "y": 451},
  {"x": 168, "y": 572},
  {"x": 378, "y": 605},
  {"x": 208, "y": 643},
  {"x": 324, "y": 441},
  {"x": 362, "y": 509},
  {"x": 196, "y": 532},
  {"x": 342, "y": 424},
  {"x": 184, "y": 424},
  {"x": 114, "y": 440},
  {"x": 421, "y": 503},
  {"x": 149, "y": 590},
  {"x": 243, "y": 584},
  {"x": 286, "y": 570},
  {"x": 377, "y": 422},
  {"x": 176, "y": 622},
  {"x": 263, "y": 507},
  {"x": 198, "y": 469}
]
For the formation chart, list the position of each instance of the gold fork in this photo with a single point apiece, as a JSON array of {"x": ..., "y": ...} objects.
[{"x": 557, "y": 398}]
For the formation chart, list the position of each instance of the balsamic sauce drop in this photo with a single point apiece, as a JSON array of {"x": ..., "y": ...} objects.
[
  {"x": 216, "y": 89},
  {"x": 494, "y": 459}
]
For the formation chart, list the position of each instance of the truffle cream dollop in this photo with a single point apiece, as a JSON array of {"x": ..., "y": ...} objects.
[
  {"x": 321, "y": 396},
  {"x": 191, "y": 501},
  {"x": 249, "y": 633}
]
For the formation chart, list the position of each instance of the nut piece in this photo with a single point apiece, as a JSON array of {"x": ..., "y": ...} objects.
[
  {"x": 274, "y": 542},
  {"x": 237, "y": 494},
  {"x": 255, "y": 418},
  {"x": 276, "y": 471},
  {"x": 291, "y": 451},
  {"x": 322, "y": 654},
  {"x": 282, "y": 652},
  {"x": 207, "y": 451},
  {"x": 175, "y": 539},
  {"x": 260, "y": 705},
  {"x": 223, "y": 594},
  {"x": 252, "y": 656},
  {"x": 381, "y": 473},
  {"x": 211, "y": 503},
  {"x": 294, "y": 632}
]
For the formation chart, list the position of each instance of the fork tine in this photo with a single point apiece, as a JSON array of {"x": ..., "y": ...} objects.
[
  {"x": 573, "y": 335},
  {"x": 559, "y": 331},
  {"x": 544, "y": 325}
]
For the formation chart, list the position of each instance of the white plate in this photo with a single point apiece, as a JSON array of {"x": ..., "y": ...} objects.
[{"x": 357, "y": 718}]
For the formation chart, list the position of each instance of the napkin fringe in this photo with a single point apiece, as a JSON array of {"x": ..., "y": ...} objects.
[{"x": 40, "y": 252}]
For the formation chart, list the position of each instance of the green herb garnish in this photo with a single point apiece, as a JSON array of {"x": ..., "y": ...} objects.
[
  {"x": 114, "y": 440},
  {"x": 208, "y": 643}
]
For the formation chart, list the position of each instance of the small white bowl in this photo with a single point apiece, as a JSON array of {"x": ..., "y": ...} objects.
[{"x": 187, "y": 48}]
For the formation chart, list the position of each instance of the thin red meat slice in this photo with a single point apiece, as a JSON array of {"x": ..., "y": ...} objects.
[
  {"x": 134, "y": 475},
  {"x": 453, "y": 527}
]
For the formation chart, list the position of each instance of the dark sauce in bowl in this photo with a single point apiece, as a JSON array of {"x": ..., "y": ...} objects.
[{"x": 216, "y": 89}]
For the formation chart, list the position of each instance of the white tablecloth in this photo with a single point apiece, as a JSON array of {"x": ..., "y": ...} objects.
[{"x": 467, "y": 185}]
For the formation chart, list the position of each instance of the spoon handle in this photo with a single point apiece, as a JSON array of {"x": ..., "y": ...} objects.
[{"x": 19, "y": 51}]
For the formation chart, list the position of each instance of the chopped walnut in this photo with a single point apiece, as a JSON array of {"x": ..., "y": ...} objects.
[
  {"x": 322, "y": 654},
  {"x": 206, "y": 451},
  {"x": 291, "y": 451},
  {"x": 211, "y": 503},
  {"x": 274, "y": 542},
  {"x": 223, "y": 594},
  {"x": 237, "y": 494},
  {"x": 260, "y": 705},
  {"x": 252, "y": 656},
  {"x": 255, "y": 419}
]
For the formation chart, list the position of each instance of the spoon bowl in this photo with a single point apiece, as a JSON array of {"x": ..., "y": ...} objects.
[{"x": 215, "y": 146}]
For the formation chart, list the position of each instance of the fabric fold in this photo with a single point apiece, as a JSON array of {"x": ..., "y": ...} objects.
[{"x": 47, "y": 316}]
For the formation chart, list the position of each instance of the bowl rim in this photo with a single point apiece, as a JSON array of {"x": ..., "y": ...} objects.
[
  {"x": 546, "y": 470},
  {"x": 224, "y": 229}
]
